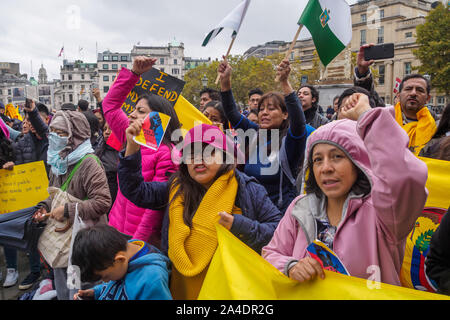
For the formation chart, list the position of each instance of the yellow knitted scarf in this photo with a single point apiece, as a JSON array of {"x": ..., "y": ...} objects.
[
  {"x": 420, "y": 131},
  {"x": 191, "y": 249}
]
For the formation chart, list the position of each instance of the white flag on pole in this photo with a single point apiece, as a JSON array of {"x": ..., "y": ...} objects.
[{"x": 232, "y": 21}]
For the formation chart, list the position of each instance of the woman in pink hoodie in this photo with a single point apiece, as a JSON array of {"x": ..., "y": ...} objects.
[
  {"x": 140, "y": 223},
  {"x": 364, "y": 192}
]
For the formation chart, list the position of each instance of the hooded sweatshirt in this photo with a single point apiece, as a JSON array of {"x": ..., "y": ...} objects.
[
  {"x": 147, "y": 278},
  {"x": 89, "y": 182},
  {"x": 373, "y": 229}
]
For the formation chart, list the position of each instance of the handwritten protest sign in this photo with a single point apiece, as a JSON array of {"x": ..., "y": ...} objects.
[
  {"x": 154, "y": 82},
  {"x": 22, "y": 187},
  {"x": 153, "y": 130}
]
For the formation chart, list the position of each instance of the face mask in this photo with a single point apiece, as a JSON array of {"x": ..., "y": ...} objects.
[
  {"x": 55, "y": 146},
  {"x": 56, "y": 142}
]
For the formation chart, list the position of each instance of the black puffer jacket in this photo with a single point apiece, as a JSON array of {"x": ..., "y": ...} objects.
[
  {"x": 6, "y": 150},
  {"x": 110, "y": 160},
  {"x": 30, "y": 148}
]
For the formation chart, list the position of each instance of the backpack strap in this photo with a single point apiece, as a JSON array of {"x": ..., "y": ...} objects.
[{"x": 66, "y": 183}]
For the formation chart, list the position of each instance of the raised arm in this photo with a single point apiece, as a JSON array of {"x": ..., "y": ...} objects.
[
  {"x": 151, "y": 195},
  {"x": 36, "y": 121},
  {"x": 296, "y": 135},
  {"x": 237, "y": 120},
  {"x": 398, "y": 189},
  {"x": 117, "y": 94},
  {"x": 364, "y": 78}
]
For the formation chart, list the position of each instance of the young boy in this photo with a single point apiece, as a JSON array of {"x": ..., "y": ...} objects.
[{"x": 130, "y": 270}]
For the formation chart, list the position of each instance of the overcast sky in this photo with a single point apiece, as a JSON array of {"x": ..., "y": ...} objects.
[{"x": 33, "y": 32}]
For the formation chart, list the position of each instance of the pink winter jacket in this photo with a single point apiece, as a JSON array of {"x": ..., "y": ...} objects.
[
  {"x": 372, "y": 234},
  {"x": 140, "y": 223}
]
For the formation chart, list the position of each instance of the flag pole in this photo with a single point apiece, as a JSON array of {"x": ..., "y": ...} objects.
[
  {"x": 291, "y": 47},
  {"x": 226, "y": 56}
]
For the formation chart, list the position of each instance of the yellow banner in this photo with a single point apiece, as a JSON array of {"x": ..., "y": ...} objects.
[
  {"x": 23, "y": 187},
  {"x": 412, "y": 274},
  {"x": 237, "y": 272},
  {"x": 188, "y": 115},
  {"x": 438, "y": 183}
]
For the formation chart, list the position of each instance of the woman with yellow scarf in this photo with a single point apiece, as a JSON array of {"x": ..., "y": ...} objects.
[{"x": 207, "y": 189}]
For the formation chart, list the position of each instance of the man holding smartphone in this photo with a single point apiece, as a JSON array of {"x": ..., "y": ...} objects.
[{"x": 411, "y": 112}]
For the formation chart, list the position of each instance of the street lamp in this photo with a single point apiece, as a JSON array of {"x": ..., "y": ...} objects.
[{"x": 204, "y": 80}]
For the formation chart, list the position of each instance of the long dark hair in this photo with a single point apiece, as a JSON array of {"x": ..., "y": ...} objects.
[
  {"x": 159, "y": 104},
  {"x": 278, "y": 100},
  {"x": 190, "y": 191},
  {"x": 314, "y": 94},
  {"x": 361, "y": 185},
  {"x": 217, "y": 105},
  {"x": 444, "y": 123}
]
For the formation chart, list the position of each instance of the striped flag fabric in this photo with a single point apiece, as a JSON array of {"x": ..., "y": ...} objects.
[
  {"x": 330, "y": 25},
  {"x": 232, "y": 21},
  {"x": 397, "y": 84},
  {"x": 61, "y": 51}
]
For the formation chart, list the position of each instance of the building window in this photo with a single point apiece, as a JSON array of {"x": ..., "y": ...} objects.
[
  {"x": 408, "y": 35},
  {"x": 407, "y": 68},
  {"x": 70, "y": 77},
  {"x": 123, "y": 65},
  {"x": 113, "y": 78},
  {"x": 364, "y": 18},
  {"x": 175, "y": 61},
  {"x": 105, "y": 58},
  {"x": 9, "y": 92},
  {"x": 381, "y": 13},
  {"x": 105, "y": 67},
  {"x": 70, "y": 98},
  {"x": 440, "y": 101},
  {"x": 123, "y": 58},
  {"x": 105, "y": 78},
  {"x": 381, "y": 72},
  {"x": 175, "y": 71},
  {"x": 380, "y": 35},
  {"x": 115, "y": 66},
  {"x": 105, "y": 89},
  {"x": 115, "y": 58},
  {"x": 363, "y": 37},
  {"x": 62, "y": 77},
  {"x": 161, "y": 61},
  {"x": 161, "y": 69},
  {"x": 64, "y": 87},
  {"x": 175, "y": 52},
  {"x": 82, "y": 77}
]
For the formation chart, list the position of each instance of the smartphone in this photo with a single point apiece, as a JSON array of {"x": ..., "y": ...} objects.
[
  {"x": 28, "y": 103},
  {"x": 379, "y": 52}
]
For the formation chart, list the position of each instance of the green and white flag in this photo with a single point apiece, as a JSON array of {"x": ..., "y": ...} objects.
[
  {"x": 232, "y": 21},
  {"x": 330, "y": 25}
]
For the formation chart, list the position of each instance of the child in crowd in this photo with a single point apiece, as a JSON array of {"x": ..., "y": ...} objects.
[
  {"x": 130, "y": 270},
  {"x": 205, "y": 190},
  {"x": 364, "y": 192}
]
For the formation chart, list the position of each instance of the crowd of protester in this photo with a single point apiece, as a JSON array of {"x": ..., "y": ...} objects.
[{"x": 348, "y": 176}]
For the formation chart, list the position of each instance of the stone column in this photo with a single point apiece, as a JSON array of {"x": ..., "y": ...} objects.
[{"x": 389, "y": 82}]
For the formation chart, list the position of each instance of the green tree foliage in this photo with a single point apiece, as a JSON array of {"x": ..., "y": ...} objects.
[
  {"x": 433, "y": 39},
  {"x": 248, "y": 74}
]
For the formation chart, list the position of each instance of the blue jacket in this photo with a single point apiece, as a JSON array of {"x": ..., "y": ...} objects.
[
  {"x": 147, "y": 278},
  {"x": 255, "y": 227},
  {"x": 280, "y": 185}
]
